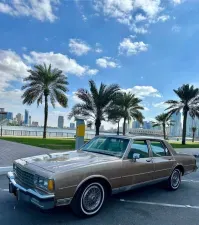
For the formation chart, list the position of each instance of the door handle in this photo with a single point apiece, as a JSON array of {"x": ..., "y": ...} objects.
[
  {"x": 148, "y": 160},
  {"x": 170, "y": 159}
]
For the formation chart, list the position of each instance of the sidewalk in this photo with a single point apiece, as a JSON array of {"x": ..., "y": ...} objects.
[
  {"x": 10, "y": 151},
  {"x": 190, "y": 151}
]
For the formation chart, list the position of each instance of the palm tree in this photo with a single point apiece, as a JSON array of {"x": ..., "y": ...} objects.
[
  {"x": 188, "y": 103},
  {"x": 48, "y": 84},
  {"x": 128, "y": 108},
  {"x": 115, "y": 115},
  {"x": 95, "y": 102},
  {"x": 162, "y": 120},
  {"x": 193, "y": 131}
]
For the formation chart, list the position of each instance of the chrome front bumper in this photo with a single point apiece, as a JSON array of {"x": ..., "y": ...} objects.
[{"x": 43, "y": 201}]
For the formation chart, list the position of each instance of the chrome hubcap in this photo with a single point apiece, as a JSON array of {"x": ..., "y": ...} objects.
[
  {"x": 175, "y": 179},
  {"x": 92, "y": 198}
]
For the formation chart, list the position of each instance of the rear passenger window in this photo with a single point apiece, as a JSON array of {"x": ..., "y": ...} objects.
[
  {"x": 159, "y": 149},
  {"x": 139, "y": 147}
]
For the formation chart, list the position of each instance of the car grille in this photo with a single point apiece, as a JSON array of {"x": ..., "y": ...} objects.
[{"x": 24, "y": 177}]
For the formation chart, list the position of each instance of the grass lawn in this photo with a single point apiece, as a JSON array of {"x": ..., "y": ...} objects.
[
  {"x": 189, "y": 144},
  {"x": 50, "y": 143}
]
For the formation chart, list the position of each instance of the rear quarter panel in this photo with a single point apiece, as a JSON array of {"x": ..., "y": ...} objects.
[{"x": 187, "y": 161}]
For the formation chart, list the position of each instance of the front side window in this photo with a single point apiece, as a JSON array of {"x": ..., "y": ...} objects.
[
  {"x": 140, "y": 147},
  {"x": 159, "y": 149},
  {"x": 107, "y": 145}
]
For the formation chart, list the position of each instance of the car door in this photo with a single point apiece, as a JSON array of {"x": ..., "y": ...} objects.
[
  {"x": 163, "y": 160},
  {"x": 140, "y": 170}
]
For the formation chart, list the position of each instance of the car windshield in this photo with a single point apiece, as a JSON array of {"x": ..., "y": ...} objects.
[{"x": 113, "y": 146}]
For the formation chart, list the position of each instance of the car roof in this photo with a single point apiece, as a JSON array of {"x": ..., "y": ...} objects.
[{"x": 133, "y": 137}]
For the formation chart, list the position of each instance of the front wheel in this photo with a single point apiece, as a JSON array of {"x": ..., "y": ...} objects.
[
  {"x": 174, "y": 180},
  {"x": 88, "y": 200}
]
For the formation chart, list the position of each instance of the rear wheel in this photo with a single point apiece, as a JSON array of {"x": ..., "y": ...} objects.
[
  {"x": 89, "y": 199},
  {"x": 174, "y": 180}
]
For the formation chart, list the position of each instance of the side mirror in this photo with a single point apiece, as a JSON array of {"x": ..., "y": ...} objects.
[{"x": 136, "y": 156}]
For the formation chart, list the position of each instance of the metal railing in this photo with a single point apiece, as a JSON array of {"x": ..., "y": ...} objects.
[{"x": 29, "y": 133}]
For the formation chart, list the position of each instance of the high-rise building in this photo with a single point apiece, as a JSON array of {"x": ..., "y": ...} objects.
[
  {"x": 135, "y": 124},
  {"x": 9, "y": 116},
  {"x": 61, "y": 122},
  {"x": 72, "y": 125},
  {"x": 26, "y": 117},
  {"x": 192, "y": 123},
  {"x": 147, "y": 125},
  {"x": 176, "y": 128},
  {"x": 35, "y": 124},
  {"x": 29, "y": 121},
  {"x": 19, "y": 119},
  {"x": 5, "y": 115}
]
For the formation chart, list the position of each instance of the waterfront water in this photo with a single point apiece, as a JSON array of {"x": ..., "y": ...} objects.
[{"x": 38, "y": 131}]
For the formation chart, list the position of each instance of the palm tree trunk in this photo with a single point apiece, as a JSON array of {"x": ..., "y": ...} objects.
[
  {"x": 164, "y": 131},
  {"x": 45, "y": 116},
  {"x": 193, "y": 136},
  {"x": 184, "y": 128},
  {"x": 124, "y": 126},
  {"x": 97, "y": 126},
  {"x": 118, "y": 128}
]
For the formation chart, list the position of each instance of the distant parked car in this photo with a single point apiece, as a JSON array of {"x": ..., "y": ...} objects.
[{"x": 105, "y": 165}]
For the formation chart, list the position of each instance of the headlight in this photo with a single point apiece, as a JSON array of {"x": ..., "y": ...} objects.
[{"x": 44, "y": 183}]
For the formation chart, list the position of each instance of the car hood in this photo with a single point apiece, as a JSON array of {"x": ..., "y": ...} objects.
[{"x": 67, "y": 160}]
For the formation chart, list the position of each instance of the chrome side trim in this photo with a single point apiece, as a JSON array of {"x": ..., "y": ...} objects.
[
  {"x": 134, "y": 186},
  {"x": 68, "y": 187},
  {"x": 131, "y": 175},
  {"x": 30, "y": 191}
]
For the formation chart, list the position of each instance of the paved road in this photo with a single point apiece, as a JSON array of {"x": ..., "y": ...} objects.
[{"x": 152, "y": 205}]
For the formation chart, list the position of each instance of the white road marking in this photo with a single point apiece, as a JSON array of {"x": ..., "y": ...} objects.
[
  {"x": 160, "y": 204},
  {"x": 1, "y": 189},
  {"x": 191, "y": 181}
]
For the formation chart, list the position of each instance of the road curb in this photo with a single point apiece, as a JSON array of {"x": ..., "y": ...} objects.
[{"x": 5, "y": 170}]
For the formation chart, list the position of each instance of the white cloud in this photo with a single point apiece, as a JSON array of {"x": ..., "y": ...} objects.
[
  {"x": 92, "y": 71},
  {"x": 128, "y": 47},
  {"x": 143, "y": 91},
  {"x": 41, "y": 10},
  {"x": 139, "y": 18},
  {"x": 106, "y": 62},
  {"x": 98, "y": 48},
  {"x": 161, "y": 105},
  {"x": 24, "y": 49},
  {"x": 12, "y": 68},
  {"x": 150, "y": 7},
  {"x": 130, "y": 12},
  {"x": 79, "y": 47},
  {"x": 176, "y": 28},
  {"x": 163, "y": 18},
  {"x": 60, "y": 61},
  {"x": 176, "y": 2},
  {"x": 139, "y": 30}
]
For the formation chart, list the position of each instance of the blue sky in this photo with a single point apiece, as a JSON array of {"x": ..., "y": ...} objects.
[{"x": 148, "y": 47}]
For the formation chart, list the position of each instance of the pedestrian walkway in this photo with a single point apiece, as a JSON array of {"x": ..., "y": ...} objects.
[
  {"x": 9, "y": 151},
  {"x": 190, "y": 151}
]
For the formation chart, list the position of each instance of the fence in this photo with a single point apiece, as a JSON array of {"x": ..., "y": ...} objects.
[{"x": 27, "y": 133}]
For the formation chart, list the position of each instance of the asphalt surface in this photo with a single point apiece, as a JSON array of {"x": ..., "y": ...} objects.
[{"x": 153, "y": 205}]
